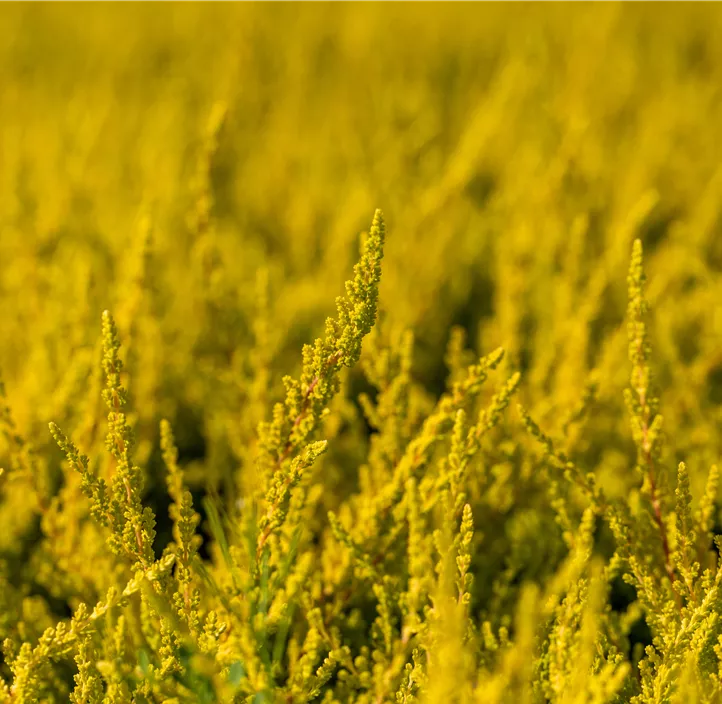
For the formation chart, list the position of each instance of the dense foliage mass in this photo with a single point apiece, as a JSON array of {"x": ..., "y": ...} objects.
[{"x": 459, "y": 488}]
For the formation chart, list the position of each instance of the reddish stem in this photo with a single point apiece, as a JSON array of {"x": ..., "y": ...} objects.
[{"x": 290, "y": 445}]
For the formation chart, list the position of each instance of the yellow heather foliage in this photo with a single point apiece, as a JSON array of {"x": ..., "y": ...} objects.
[{"x": 483, "y": 470}]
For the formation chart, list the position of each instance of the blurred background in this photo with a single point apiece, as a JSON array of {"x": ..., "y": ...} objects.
[{"x": 204, "y": 171}]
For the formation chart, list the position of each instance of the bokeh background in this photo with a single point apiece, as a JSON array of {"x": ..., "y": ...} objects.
[{"x": 205, "y": 170}]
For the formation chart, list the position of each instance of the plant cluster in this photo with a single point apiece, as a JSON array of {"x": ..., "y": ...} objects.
[{"x": 489, "y": 476}]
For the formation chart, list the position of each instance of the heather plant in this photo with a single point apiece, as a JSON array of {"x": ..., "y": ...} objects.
[{"x": 489, "y": 476}]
